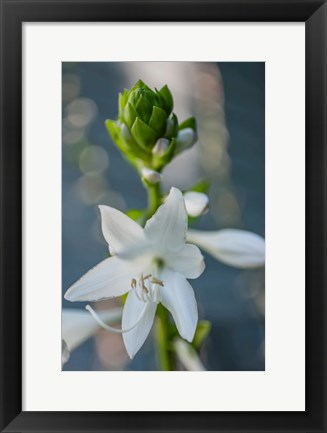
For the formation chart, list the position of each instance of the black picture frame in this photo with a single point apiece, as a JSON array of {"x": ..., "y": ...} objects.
[{"x": 13, "y": 14}]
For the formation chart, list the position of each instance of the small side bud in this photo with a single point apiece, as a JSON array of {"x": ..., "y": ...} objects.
[
  {"x": 196, "y": 203},
  {"x": 161, "y": 146},
  {"x": 186, "y": 138},
  {"x": 150, "y": 175}
]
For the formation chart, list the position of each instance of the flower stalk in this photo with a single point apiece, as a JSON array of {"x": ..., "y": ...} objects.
[
  {"x": 154, "y": 198},
  {"x": 161, "y": 336}
]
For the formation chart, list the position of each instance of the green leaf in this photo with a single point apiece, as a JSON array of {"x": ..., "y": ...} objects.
[
  {"x": 188, "y": 123},
  {"x": 201, "y": 333},
  {"x": 158, "y": 120},
  {"x": 201, "y": 186},
  {"x": 129, "y": 115},
  {"x": 166, "y": 99},
  {"x": 135, "y": 214},
  {"x": 143, "y": 134}
]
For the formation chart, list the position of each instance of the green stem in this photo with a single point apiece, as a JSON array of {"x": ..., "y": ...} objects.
[
  {"x": 162, "y": 340},
  {"x": 154, "y": 199}
]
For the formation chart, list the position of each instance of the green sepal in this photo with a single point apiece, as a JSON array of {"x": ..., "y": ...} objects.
[
  {"x": 201, "y": 333},
  {"x": 143, "y": 134},
  {"x": 201, "y": 186},
  {"x": 136, "y": 214},
  {"x": 143, "y": 106},
  {"x": 171, "y": 126},
  {"x": 123, "y": 298},
  {"x": 188, "y": 123},
  {"x": 158, "y": 120},
  {"x": 129, "y": 115},
  {"x": 140, "y": 85},
  {"x": 122, "y": 99},
  {"x": 166, "y": 99},
  {"x": 130, "y": 151}
]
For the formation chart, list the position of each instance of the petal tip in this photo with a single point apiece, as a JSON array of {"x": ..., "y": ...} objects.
[
  {"x": 202, "y": 267},
  {"x": 175, "y": 191},
  {"x": 190, "y": 336},
  {"x": 68, "y": 296},
  {"x": 104, "y": 208}
]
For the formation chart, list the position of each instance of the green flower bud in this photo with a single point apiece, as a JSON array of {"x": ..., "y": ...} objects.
[
  {"x": 146, "y": 107},
  {"x": 147, "y": 131}
]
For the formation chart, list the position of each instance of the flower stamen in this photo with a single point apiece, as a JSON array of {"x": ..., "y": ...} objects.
[
  {"x": 141, "y": 283},
  {"x": 149, "y": 292},
  {"x": 157, "y": 281},
  {"x": 110, "y": 328}
]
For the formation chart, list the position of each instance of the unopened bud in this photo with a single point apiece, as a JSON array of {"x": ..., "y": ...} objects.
[
  {"x": 186, "y": 138},
  {"x": 196, "y": 203},
  {"x": 151, "y": 176},
  {"x": 161, "y": 146}
]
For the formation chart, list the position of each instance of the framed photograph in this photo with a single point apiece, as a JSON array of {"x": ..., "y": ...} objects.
[{"x": 163, "y": 216}]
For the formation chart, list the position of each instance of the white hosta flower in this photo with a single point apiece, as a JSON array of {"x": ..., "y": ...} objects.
[
  {"x": 238, "y": 248},
  {"x": 152, "y": 264},
  {"x": 197, "y": 203}
]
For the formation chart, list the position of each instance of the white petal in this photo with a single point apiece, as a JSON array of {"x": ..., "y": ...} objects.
[
  {"x": 188, "y": 261},
  {"x": 167, "y": 228},
  {"x": 119, "y": 230},
  {"x": 108, "y": 279},
  {"x": 177, "y": 296},
  {"x": 238, "y": 248},
  {"x": 78, "y": 325},
  {"x": 196, "y": 203},
  {"x": 133, "y": 310},
  {"x": 65, "y": 354}
]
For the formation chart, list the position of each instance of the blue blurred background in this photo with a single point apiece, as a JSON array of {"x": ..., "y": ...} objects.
[{"x": 228, "y": 100}]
